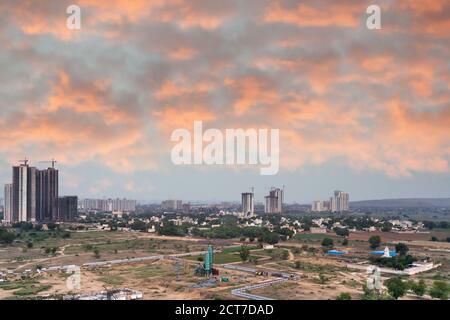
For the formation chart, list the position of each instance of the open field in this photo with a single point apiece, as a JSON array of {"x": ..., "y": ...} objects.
[
  {"x": 320, "y": 276},
  {"x": 396, "y": 237}
]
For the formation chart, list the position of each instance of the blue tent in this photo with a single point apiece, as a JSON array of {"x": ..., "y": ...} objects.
[
  {"x": 336, "y": 252},
  {"x": 392, "y": 253}
]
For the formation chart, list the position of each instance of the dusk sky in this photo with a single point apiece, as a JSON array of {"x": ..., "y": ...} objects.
[{"x": 364, "y": 111}]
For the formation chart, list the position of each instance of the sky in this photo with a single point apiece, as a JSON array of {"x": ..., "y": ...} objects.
[{"x": 364, "y": 111}]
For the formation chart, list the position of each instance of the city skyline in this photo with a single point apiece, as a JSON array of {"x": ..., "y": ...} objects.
[
  {"x": 304, "y": 197},
  {"x": 366, "y": 111},
  {"x": 32, "y": 195}
]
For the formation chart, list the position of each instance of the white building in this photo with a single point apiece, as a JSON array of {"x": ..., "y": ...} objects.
[
  {"x": 7, "y": 214},
  {"x": 172, "y": 205},
  {"x": 109, "y": 205},
  {"x": 320, "y": 206},
  {"x": 248, "y": 204},
  {"x": 20, "y": 178},
  {"x": 339, "y": 201}
]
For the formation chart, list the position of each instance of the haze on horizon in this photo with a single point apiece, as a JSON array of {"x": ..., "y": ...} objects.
[{"x": 364, "y": 111}]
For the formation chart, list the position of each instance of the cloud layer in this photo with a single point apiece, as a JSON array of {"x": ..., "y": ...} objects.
[{"x": 112, "y": 92}]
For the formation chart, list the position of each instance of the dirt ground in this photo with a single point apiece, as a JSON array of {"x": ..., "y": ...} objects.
[{"x": 320, "y": 276}]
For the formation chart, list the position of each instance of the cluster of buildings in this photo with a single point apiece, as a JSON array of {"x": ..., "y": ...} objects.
[
  {"x": 33, "y": 196},
  {"x": 108, "y": 205},
  {"x": 176, "y": 206},
  {"x": 273, "y": 202},
  {"x": 339, "y": 202}
]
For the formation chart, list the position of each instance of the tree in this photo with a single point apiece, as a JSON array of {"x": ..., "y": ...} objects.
[
  {"x": 29, "y": 244},
  {"x": 396, "y": 287},
  {"x": 139, "y": 225},
  {"x": 342, "y": 232},
  {"x": 344, "y": 296},
  {"x": 440, "y": 290},
  {"x": 434, "y": 239},
  {"x": 96, "y": 253},
  {"x": 271, "y": 238},
  {"x": 374, "y": 241},
  {"x": 327, "y": 242},
  {"x": 52, "y": 226},
  {"x": 345, "y": 242},
  {"x": 387, "y": 226},
  {"x": 402, "y": 249},
  {"x": 6, "y": 236},
  {"x": 418, "y": 288},
  {"x": 244, "y": 253}
]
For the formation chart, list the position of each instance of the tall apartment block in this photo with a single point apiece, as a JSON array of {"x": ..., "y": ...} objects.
[
  {"x": 7, "y": 210},
  {"x": 274, "y": 201},
  {"x": 175, "y": 205},
  {"x": 34, "y": 194},
  {"x": 109, "y": 205},
  {"x": 67, "y": 208},
  {"x": 248, "y": 204},
  {"x": 340, "y": 201},
  {"x": 48, "y": 190}
]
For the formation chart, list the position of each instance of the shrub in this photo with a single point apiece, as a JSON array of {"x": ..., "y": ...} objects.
[{"x": 344, "y": 296}]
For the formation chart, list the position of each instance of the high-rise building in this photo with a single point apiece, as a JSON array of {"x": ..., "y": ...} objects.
[
  {"x": 172, "y": 205},
  {"x": 248, "y": 204},
  {"x": 339, "y": 201},
  {"x": 7, "y": 209},
  {"x": 109, "y": 205},
  {"x": 20, "y": 193},
  {"x": 47, "y": 199},
  {"x": 320, "y": 206},
  {"x": 274, "y": 201},
  {"x": 67, "y": 208},
  {"x": 186, "y": 208},
  {"x": 34, "y": 194}
]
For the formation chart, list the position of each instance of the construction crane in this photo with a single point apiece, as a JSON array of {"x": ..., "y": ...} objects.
[
  {"x": 24, "y": 161},
  {"x": 53, "y": 161}
]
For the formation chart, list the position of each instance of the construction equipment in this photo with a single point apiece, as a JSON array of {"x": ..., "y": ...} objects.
[
  {"x": 24, "y": 161},
  {"x": 53, "y": 161},
  {"x": 206, "y": 269}
]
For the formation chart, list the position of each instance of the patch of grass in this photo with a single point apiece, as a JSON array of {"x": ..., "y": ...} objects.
[
  {"x": 17, "y": 284},
  {"x": 28, "y": 287},
  {"x": 32, "y": 291},
  {"x": 149, "y": 271},
  {"x": 220, "y": 258},
  {"x": 313, "y": 237},
  {"x": 237, "y": 249},
  {"x": 114, "y": 280}
]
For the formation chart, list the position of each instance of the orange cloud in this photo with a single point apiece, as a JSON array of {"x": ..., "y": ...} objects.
[
  {"x": 305, "y": 15},
  {"x": 171, "y": 118},
  {"x": 171, "y": 89},
  {"x": 183, "y": 54}
]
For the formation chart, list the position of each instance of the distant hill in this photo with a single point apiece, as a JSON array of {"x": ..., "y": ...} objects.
[{"x": 403, "y": 203}]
